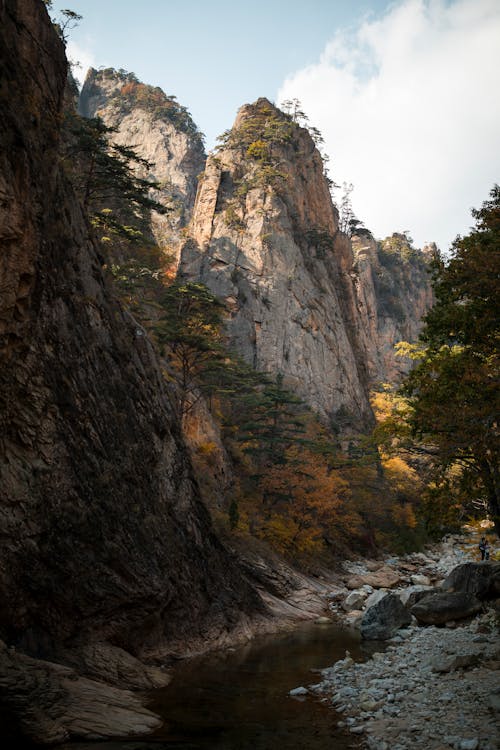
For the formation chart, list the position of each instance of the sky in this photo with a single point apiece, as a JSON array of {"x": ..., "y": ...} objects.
[{"x": 405, "y": 92}]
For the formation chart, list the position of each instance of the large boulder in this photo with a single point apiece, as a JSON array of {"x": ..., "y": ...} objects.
[
  {"x": 413, "y": 594},
  {"x": 375, "y": 597},
  {"x": 381, "y": 621},
  {"x": 480, "y": 579},
  {"x": 384, "y": 578},
  {"x": 438, "y": 608}
]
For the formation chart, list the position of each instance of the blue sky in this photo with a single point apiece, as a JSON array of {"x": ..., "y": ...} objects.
[
  {"x": 404, "y": 92},
  {"x": 213, "y": 55}
]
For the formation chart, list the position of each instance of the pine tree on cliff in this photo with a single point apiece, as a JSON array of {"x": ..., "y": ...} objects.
[{"x": 106, "y": 177}]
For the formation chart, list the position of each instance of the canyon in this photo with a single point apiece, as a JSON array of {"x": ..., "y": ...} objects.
[{"x": 110, "y": 562}]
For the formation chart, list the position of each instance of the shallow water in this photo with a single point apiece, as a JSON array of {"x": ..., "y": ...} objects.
[{"x": 239, "y": 699}]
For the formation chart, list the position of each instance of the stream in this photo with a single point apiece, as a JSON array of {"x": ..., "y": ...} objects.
[{"x": 239, "y": 699}]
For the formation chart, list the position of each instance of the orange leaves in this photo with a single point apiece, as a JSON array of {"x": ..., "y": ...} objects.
[
  {"x": 303, "y": 502},
  {"x": 128, "y": 88}
]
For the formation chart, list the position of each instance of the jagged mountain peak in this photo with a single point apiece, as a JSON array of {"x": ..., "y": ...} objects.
[
  {"x": 161, "y": 130},
  {"x": 123, "y": 89},
  {"x": 264, "y": 236},
  {"x": 262, "y": 106}
]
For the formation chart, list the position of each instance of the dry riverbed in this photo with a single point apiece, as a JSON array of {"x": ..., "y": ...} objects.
[{"x": 428, "y": 688}]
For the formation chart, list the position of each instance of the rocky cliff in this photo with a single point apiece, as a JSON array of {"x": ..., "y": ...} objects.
[
  {"x": 161, "y": 131},
  {"x": 104, "y": 537},
  {"x": 303, "y": 300},
  {"x": 393, "y": 293},
  {"x": 264, "y": 238}
]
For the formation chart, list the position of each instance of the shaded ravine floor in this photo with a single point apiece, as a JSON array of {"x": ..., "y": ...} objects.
[{"x": 239, "y": 699}]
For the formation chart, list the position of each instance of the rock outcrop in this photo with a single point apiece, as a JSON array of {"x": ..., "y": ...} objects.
[
  {"x": 104, "y": 536},
  {"x": 303, "y": 300},
  {"x": 264, "y": 237},
  {"x": 161, "y": 131},
  {"x": 393, "y": 293}
]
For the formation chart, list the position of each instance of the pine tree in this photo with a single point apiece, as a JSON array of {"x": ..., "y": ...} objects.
[
  {"x": 105, "y": 175},
  {"x": 453, "y": 390}
]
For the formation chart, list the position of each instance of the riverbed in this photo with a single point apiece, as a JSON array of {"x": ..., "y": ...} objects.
[{"x": 239, "y": 699}]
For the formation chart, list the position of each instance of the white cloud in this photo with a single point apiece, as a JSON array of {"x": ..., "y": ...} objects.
[
  {"x": 81, "y": 59},
  {"x": 409, "y": 106}
]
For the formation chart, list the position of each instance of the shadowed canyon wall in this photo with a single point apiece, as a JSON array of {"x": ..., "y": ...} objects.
[{"x": 104, "y": 535}]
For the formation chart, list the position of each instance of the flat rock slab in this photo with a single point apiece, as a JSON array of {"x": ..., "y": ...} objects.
[
  {"x": 384, "y": 578},
  {"x": 53, "y": 703}
]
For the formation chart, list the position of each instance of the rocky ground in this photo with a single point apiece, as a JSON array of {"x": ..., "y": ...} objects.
[{"x": 427, "y": 688}]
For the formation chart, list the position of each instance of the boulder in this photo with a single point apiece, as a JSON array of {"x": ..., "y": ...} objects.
[
  {"x": 354, "y": 600},
  {"x": 373, "y": 565},
  {"x": 439, "y": 608},
  {"x": 385, "y": 578},
  {"x": 298, "y": 691},
  {"x": 480, "y": 579},
  {"x": 375, "y": 598},
  {"x": 420, "y": 580},
  {"x": 381, "y": 621},
  {"x": 353, "y": 619},
  {"x": 413, "y": 594},
  {"x": 452, "y": 662}
]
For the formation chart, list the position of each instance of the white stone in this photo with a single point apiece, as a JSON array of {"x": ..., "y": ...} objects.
[{"x": 298, "y": 691}]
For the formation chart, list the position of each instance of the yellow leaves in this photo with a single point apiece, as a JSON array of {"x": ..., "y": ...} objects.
[
  {"x": 402, "y": 478},
  {"x": 404, "y": 516},
  {"x": 412, "y": 351},
  {"x": 303, "y": 501},
  {"x": 259, "y": 150},
  {"x": 289, "y": 536}
]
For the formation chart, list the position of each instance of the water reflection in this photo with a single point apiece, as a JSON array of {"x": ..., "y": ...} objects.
[{"x": 239, "y": 700}]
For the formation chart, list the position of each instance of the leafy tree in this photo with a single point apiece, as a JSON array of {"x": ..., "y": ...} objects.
[
  {"x": 311, "y": 508},
  {"x": 67, "y": 20},
  {"x": 453, "y": 390}
]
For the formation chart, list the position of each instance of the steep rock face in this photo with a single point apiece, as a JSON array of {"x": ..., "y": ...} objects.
[
  {"x": 393, "y": 293},
  {"x": 264, "y": 236},
  {"x": 305, "y": 300},
  {"x": 160, "y": 130},
  {"x": 103, "y": 533}
]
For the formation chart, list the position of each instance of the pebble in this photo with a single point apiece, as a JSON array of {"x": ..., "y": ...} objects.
[
  {"x": 394, "y": 701},
  {"x": 299, "y": 691}
]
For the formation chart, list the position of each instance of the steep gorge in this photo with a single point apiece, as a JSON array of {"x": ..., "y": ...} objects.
[
  {"x": 304, "y": 299},
  {"x": 108, "y": 550}
]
